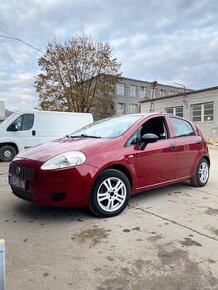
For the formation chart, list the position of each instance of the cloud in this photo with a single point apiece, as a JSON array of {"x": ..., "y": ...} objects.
[
  {"x": 17, "y": 90},
  {"x": 167, "y": 40}
]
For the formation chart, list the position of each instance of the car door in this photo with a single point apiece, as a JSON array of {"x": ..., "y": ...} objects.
[
  {"x": 156, "y": 164},
  {"x": 188, "y": 144}
]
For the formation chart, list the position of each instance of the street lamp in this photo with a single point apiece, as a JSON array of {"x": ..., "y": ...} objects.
[
  {"x": 184, "y": 95},
  {"x": 180, "y": 86}
]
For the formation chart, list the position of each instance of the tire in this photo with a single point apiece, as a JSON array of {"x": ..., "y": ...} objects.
[
  {"x": 201, "y": 175},
  {"x": 7, "y": 153},
  {"x": 110, "y": 194}
]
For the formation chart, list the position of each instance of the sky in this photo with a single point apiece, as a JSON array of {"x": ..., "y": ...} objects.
[{"x": 164, "y": 40}]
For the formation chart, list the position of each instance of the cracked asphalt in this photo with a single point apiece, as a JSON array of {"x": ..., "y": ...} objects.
[{"x": 166, "y": 239}]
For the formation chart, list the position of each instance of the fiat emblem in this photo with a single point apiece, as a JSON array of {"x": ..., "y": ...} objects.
[{"x": 18, "y": 170}]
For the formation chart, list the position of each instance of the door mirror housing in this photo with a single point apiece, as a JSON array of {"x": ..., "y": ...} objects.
[{"x": 146, "y": 139}]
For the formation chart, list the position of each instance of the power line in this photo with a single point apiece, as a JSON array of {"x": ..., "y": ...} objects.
[{"x": 22, "y": 41}]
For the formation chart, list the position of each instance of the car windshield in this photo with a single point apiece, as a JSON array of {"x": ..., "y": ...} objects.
[{"x": 107, "y": 128}]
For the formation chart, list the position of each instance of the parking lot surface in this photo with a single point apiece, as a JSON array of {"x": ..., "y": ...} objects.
[{"x": 166, "y": 239}]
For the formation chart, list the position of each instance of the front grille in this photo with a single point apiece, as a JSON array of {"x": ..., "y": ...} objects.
[
  {"x": 22, "y": 194},
  {"x": 22, "y": 172}
]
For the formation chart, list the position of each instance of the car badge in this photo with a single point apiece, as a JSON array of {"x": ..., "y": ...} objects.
[{"x": 18, "y": 170}]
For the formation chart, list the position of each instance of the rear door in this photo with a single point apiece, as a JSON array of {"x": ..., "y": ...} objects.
[{"x": 188, "y": 144}]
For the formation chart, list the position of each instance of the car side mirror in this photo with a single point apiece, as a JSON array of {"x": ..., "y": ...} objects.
[
  {"x": 146, "y": 139},
  {"x": 13, "y": 128}
]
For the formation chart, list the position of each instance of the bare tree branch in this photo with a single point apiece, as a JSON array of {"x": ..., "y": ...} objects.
[{"x": 78, "y": 75}]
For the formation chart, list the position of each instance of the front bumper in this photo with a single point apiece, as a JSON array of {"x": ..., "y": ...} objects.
[{"x": 67, "y": 187}]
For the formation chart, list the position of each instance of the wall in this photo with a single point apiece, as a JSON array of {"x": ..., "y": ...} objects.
[{"x": 130, "y": 101}]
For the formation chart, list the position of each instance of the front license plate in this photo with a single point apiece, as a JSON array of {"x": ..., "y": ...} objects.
[{"x": 17, "y": 182}]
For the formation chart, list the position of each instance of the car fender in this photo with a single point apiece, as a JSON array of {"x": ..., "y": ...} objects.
[{"x": 127, "y": 169}]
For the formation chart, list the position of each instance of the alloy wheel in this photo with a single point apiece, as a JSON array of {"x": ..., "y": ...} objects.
[
  {"x": 111, "y": 194},
  {"x": 203, "y": 172}
]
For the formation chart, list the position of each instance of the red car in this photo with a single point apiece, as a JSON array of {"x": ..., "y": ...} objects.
[{"x": 103, "y": 164}]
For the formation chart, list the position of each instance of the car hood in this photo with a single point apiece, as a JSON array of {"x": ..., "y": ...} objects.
[{"x": 45, "y": 151}]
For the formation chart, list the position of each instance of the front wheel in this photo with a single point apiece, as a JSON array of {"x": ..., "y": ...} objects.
[
  {"x": 110, "y": 194},
  {"x": 201, "y": 175},
  {"x": 7, "y": 153}
]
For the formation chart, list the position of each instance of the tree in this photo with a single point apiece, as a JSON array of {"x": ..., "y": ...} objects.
[{"x": 77, "y": 76}]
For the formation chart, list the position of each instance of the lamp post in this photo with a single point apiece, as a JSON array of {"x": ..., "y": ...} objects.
[
  {"x": 181, "y": 85},
  {"x": 184, "y": 95},
  {"x": 154, "y": 85}
]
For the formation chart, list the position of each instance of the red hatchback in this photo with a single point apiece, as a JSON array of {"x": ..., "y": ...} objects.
[{"x": 103, "y": 164}]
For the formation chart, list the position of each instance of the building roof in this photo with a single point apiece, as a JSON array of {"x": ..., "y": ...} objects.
[
  {"x": 181, "y": 94},
  {"x": 150, "y": 82}
]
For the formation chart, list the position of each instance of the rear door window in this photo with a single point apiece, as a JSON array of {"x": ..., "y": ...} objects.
[{"x": 182, "y": 128}]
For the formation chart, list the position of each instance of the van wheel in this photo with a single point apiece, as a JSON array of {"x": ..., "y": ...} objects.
[
  {"x": 110, "y": 194},
  {"x": 201, "y": 175},
  {"x": 7, "y": 153}
]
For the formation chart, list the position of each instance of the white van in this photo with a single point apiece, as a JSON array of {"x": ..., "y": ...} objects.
[{"x": 25, "y": 129}]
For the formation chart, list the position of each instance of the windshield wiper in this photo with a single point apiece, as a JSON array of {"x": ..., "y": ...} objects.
[
  {"x": 83, "y": 136},
  {"x": 73, "y": 136},
  {"x": 90, "y": 136}
]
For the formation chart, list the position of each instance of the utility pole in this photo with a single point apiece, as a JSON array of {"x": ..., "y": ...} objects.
[{"x": 154, "y": 85}]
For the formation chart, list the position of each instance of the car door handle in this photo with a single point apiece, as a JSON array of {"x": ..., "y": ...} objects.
[
  {"x": 34, "y": 133},
  {"x": 172, "y": 146}
]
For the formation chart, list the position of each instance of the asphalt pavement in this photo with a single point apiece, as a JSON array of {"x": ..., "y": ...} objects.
[{"x": 166, "y": 239}]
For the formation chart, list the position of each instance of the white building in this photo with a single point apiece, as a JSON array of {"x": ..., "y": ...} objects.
[{"x": 200, "y": 106}]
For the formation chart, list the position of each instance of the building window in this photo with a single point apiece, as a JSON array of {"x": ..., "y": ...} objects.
[
  {"x": 133, "y": 91},
  {"x": 133, "y": 108},
  {"x": 178, "y": 111},
  {"x": 172, "y": 92},
  {"x": 142, "y": 92},
  {"x": 162, "y": 93},
  {"x": 121, "y": 108},
  {"x": 202, "y": 112},
  {"x": 120, "y": 89}
]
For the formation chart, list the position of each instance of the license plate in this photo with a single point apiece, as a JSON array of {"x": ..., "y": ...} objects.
[{"x": 17, "y": 182}]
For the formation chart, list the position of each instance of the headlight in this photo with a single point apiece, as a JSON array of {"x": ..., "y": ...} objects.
[{"x": 64, "y": 160}]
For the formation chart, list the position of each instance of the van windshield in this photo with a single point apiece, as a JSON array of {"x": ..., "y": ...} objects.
[{"x": 107, "y": 128}]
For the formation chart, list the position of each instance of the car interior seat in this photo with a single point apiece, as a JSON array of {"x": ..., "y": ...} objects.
[{"x": 155, "y": 126}]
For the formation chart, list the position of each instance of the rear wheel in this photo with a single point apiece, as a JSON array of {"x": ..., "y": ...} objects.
[
  {"x": 110, "y": 194},
  {"x": 7, "y": 153},
  {"x": 201, "y": 175}
]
